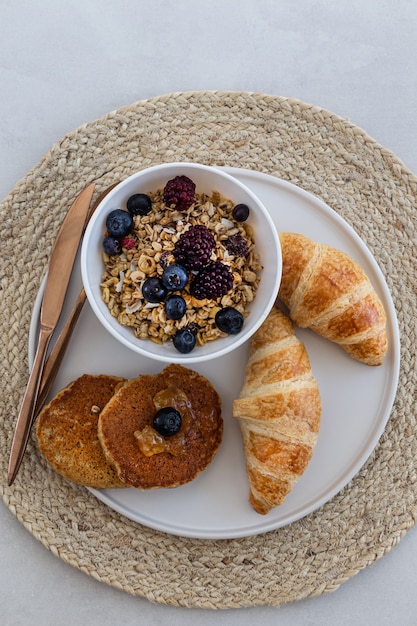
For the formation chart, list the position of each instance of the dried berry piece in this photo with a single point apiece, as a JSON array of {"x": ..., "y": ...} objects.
[
  {"x": 128, "y": 243},
  {"x": 237, "y": 245},
  {"x": 193, "y": 327}
]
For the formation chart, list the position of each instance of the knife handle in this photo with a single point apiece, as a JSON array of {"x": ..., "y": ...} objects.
[
  {"x": 27, "y": 410},
  {"x": 57, "y": 353}
]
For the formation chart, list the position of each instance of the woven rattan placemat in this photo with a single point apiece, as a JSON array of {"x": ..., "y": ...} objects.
[{"x": 364, "y": 183}]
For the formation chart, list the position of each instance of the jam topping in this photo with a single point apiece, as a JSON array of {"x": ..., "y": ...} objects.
[{"x": 193, "y": 425}]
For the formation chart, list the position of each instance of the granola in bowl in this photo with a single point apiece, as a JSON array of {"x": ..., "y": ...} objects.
[
  {"x": 181, "y": 262},
  {"x": 209, "y": 238}
]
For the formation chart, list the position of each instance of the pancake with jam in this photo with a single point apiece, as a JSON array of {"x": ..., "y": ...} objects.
[
  {"x": 162, "y": 430},
  {"x": 67, "y": 431}
]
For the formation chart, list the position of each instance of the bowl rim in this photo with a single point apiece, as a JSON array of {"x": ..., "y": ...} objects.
[{"x": 139, "y": 346}]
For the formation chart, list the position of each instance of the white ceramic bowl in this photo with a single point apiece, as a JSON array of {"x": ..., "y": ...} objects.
[{"x": 207, "y": 179}]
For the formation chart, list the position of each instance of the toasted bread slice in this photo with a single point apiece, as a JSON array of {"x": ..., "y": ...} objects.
[
  {"x": 67, "y": 431},
  {"x": 171, "y": 461}
]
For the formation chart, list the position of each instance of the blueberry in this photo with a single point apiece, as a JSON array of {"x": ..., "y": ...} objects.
[
  {"x": 112, "y": 246},
  {"x": 119, "y": 223},
  {"x": 175, "y": 307},
  {"x": 153, "y": 290},
  {"x": 184, "y": 340},
  {"x": 174, "y": 277},
  {"x": 229, "y": 320},
  {"x": 167, "y": 421},
  {"x": 139, "y": 204},
  {"x": 240, "y": 212}
]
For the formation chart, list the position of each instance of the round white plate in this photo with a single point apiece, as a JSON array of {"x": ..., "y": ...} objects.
[{"x": 357, "y": 399}]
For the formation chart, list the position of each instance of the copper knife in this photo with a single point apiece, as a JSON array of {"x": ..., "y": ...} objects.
[
  {"x": 57, "y": 353},
  {"x": 62, "y": 259}
]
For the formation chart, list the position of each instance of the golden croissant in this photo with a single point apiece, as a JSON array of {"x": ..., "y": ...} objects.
[
  {"x": 327, "y": 291},
  {"x": 279, "y": 411}
]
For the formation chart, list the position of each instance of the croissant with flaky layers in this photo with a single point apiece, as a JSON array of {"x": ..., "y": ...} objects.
[
  {"x": 279, "y": 411},
  {"x": 327, "y": 291}
]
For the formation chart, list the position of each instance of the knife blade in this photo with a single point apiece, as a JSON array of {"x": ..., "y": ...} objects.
[
  {"x": 59, "y": 273},
  {"x": 55, "y": 358}
]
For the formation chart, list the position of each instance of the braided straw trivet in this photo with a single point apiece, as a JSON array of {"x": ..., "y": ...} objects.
[{"x": 362, "y": 181}]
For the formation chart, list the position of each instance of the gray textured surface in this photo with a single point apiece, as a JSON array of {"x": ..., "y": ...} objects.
[{"x": 63, "y": 66}]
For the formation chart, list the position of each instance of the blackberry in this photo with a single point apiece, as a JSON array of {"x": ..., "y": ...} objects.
[
  {"x": 179, "y": 193},
  {"x": 237, "y": 245},
  {"x": 213, "y": 281},
  {"x": 193, "y": 249}
]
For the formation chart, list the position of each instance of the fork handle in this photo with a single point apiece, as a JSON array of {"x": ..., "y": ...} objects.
[{"x": 26, "y": 414}]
